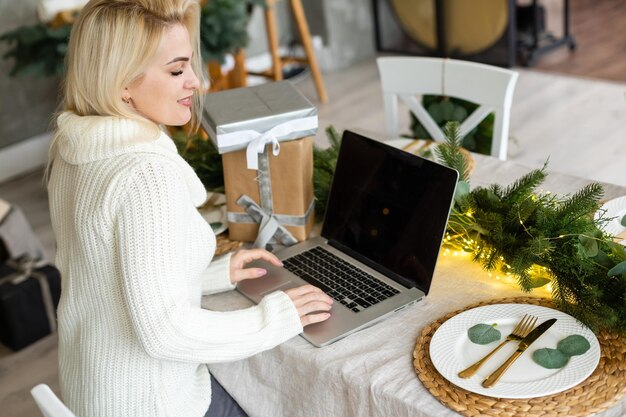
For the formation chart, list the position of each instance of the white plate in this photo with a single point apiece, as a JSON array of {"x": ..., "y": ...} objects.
[
  {"x": 451, "y": 351},
  {"x": 613, "y": 208},
  {"x": 216, "y": 215}
]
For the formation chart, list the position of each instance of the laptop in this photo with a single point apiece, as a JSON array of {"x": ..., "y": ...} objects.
[{"x": 386, "y": 217}]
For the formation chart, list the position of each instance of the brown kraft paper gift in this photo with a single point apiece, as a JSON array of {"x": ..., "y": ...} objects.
[{"x": 291, "y": 176}]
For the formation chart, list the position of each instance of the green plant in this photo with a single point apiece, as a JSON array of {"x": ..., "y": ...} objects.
[
  {"x": 224, "y": 27},
  {"x": 324, "y": 162},
  {"x": 37, "y": 50},
  {"x": 203, "y": 157},
  {"x": 449, "y": 109}
]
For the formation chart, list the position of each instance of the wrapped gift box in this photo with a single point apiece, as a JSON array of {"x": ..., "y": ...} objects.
[
  {"x": 291, "y": 178},
  {"x": 27, "y": 308},
  {"x": 264, "y": 136}
]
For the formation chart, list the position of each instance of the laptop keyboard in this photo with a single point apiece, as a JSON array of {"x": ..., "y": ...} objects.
[{"x": 352, "y": 287}]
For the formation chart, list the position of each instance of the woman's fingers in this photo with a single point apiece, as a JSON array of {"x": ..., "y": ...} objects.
[
  {"x": 241, "y": 258},
  {"x": 303, "y": 289},
  {"x": 311, "y": 303},
  {"x": 314, "y": 318},
  {"x": 311, "y": 300},
  {"x": 245, "y": 256},
  {"x": 247, "y": 273}
]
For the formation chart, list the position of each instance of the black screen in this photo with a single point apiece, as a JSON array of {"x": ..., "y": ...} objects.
[{"x": 389, "y": 209}]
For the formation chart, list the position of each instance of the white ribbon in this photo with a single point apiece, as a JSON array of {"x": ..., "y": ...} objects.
[
  {"x": 255, "y": 141},
  {"x": 257, "y": 146}
]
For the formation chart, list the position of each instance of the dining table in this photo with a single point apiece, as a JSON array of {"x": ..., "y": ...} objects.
[{"x": 371, "y": 372}]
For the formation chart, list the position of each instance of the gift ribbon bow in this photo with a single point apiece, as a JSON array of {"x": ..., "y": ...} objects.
[
  {"x": 270, "y": 224},
  {"x": 24, "y": 269},
  {"x": 256, "y": 141}
]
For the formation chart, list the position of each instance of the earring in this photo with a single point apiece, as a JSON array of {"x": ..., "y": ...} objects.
[{"x": 126, "y": 100}]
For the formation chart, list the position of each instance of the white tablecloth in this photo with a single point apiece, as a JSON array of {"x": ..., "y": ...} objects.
[{"x": 370, "y": 373}]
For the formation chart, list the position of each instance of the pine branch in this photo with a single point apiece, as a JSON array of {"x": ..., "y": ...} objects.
[
  {"x": 524, "y": 186},
  {"x": 583, "y": 203},
  {"x": 449, "y": 152}
]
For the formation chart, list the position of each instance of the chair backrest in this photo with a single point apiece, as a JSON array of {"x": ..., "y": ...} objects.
[
  {"x": 490, "y": 87},
  {"x": 49, "y": 404}
]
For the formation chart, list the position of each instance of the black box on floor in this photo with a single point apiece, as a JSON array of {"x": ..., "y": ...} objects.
[{"x": 23, "y": 315}]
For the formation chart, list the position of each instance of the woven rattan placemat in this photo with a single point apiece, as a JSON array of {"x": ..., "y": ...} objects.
[{"x": 604, "y": 387}]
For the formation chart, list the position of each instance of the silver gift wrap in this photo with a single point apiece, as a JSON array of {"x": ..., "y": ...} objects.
[{"x": 231, "y": 114}]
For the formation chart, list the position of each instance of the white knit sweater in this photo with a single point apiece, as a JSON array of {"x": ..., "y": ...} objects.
[{"x": 134, "y": 258}]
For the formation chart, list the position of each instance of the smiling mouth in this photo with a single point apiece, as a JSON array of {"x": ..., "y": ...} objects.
[{"x": 185, "y": 101}]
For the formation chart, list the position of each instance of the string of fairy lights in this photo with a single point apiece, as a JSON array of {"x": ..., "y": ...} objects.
[{"x": 458, "y": 242}]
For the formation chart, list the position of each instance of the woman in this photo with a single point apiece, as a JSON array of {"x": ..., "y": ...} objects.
[{"x": 133, "y": 251}]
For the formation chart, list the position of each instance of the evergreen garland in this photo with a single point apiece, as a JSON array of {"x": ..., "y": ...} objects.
[{"x": 540, "y": 238}]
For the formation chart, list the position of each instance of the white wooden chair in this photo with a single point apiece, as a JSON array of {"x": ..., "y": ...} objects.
[
  {"x": 490, "y": 87},
  {"x": 49, "y": 404}
]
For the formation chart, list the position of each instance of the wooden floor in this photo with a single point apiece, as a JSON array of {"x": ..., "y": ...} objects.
[
  {"x": 578, "y": 123},
  {"x": 599, "y": 28}
]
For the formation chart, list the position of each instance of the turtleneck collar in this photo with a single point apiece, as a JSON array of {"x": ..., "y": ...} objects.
[{"x": 84, "y": 139}]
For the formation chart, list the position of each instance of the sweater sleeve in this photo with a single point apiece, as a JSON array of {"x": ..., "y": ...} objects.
[
  {"x": 150, "y": 225},
  {"x": 216, "y": 278}
]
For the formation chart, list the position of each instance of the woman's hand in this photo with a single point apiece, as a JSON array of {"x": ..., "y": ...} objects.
[
  {"x": 311, "y": 302},
  {"x": 238, "y": 271}
]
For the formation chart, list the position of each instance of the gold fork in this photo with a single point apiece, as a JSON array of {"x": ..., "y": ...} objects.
[{"x": 526, "y": 324}]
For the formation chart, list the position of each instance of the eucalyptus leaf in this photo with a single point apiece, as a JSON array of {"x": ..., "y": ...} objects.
[
  {"x": 603, "y": 259},
  {"x": 589, "y": 245},
  {"x": 573, "y": 345},
  {"x": 462, "y": 190},
  {"x": 483, "y": 334},
  {"x": 623, "y": 221},
  {"x": 617, "y": 270},
  {"x": 550, "y": 358}
]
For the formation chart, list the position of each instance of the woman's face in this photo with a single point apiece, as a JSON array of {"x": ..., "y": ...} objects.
[{"x": 164, "y": 94}]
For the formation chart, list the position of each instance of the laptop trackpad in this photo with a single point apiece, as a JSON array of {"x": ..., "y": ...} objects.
[
  {"x": 276, "y": 279},
  {"x": 283, "y": 286}
]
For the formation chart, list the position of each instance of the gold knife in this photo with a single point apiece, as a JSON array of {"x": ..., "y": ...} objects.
[{"x": 523, "y": 345}]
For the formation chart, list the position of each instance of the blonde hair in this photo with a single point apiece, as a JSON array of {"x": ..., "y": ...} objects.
[{"x": 111, "y": 43}]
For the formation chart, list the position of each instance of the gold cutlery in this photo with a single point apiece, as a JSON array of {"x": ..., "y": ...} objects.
[
  {"x": 523, "y": 345},
  {"x": 519, "y": 332}
]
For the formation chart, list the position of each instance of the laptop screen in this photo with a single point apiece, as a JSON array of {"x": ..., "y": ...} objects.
[{"x": 389, "y": 209}]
